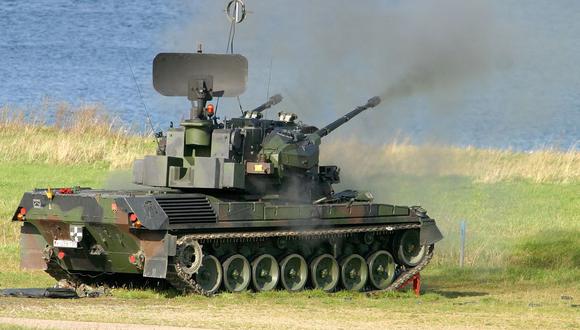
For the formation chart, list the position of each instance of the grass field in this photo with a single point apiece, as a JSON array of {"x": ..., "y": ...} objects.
[{"x": 523, "y": 237}]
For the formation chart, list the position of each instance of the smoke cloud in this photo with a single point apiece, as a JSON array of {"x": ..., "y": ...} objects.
[
  {"x": 327, "y": 59},
  {"x": 441, "y": 44}
]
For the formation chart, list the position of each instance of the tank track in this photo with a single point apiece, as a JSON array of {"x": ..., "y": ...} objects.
[
  {"x": 178, "y": 278},
  {"x": 409, "y": 273},
  {"x": 183, "y": 282},
  {"x": 186, "y": 283}
]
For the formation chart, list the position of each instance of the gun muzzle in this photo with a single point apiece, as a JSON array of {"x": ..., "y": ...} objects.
[
  {"x": 273, "y": 100},
  {"x": 373, "y": 102}
]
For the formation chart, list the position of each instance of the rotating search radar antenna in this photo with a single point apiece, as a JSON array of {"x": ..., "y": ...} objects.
[{"x": 236, "y": 11}]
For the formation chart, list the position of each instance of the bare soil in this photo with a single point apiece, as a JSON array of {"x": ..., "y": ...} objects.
[{"x": 440, "y": 308}]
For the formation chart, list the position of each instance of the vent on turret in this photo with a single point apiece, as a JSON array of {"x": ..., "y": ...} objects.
[{"x": 186, "y": 209}]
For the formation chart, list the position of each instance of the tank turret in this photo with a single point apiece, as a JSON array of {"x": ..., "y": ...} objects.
[{"x": 259, "y": 158}]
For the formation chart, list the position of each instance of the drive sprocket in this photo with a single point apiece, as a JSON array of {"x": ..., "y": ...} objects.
[{"x": 189, "y": 255}]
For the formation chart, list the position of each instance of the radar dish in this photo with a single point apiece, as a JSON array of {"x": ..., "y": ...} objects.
[{"x": 225, "y": 74}]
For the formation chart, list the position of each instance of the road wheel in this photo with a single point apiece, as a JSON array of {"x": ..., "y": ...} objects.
[
  {"x": 410, "y": 252},
  {"x": 209, "y": 275},
  {"x": 237, "y": 273},
  {"x": 324, "y": 272},
  {"x": 381, "y": 269},
  {"x": 354, "y": 272},
  {"x": 265, "y": 273},
  {"x": 294, "y": 272}
]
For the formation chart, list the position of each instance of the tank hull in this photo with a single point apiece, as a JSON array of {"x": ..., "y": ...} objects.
[{"x": 91, "y": 234}]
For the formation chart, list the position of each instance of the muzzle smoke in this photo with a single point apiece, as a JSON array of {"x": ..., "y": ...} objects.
[{"x": 332, "y": 57}]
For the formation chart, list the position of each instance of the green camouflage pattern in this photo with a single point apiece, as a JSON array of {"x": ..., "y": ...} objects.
[{"x": 109, "y": 241}]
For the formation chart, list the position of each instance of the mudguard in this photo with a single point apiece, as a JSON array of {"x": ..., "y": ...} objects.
[
  {"x": 157, "y": 247},
  {"x": 32, "y": 245},
  {"x": 430, "y": 234}
]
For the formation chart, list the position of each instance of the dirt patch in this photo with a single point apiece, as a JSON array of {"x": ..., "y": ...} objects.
[
  {"x": 280, "y": 310},
  {"x": 60, "y": 324}
]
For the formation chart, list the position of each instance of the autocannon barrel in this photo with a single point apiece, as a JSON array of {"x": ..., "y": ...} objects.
[
  {"x": 371, "y": 103},
  {"x": 273, "y": 100}
]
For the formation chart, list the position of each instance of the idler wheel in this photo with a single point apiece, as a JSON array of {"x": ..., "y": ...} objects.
[
  {"x": 294, "y": 272},
  {"x": 354, "y": 272},
  {"x": 189, "y": 256},
  {"x": 209, "y": 275},
  {"x": 410, "y": 252},
  {"x": 237, "y": 272},
  {"x": 381, "y": 269},
  {"x": 324, "y": 272},
  {"x": 265, "y": 272}
]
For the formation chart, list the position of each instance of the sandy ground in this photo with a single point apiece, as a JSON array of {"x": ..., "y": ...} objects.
[
  {"x": 281, "y": 312},
  {"x": 60, "y": 324}
]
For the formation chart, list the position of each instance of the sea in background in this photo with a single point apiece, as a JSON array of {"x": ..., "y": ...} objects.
[{"x": 88, "y": 51}]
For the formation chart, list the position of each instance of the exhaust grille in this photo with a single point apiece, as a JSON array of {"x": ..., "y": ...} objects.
[{"x": 187, "y": 209}]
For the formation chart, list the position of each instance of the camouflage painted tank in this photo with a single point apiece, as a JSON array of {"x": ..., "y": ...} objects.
[{"x": 227, "y": 205}]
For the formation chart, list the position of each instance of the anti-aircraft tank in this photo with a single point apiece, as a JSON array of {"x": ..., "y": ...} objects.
[{"x": 228, "y": 205}]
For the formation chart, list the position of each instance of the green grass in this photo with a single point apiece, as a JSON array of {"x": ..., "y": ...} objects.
[
  {"x": 14, "y": 327},
  {"x": 551, "y": 249},
  {"x": 16, "y": 178},
  {"x": 500, "y": 216}
]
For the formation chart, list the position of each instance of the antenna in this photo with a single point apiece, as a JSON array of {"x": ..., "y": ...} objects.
[
  {"x": 141, "y": 97},
  {"x": 269, "y": 80},
  {"x": 236, "y": 13}
]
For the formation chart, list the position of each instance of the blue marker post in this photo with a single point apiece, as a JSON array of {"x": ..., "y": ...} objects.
[{"x": 462, "y": 242}]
